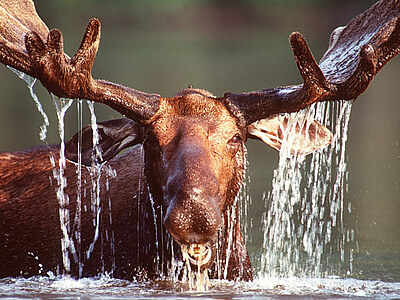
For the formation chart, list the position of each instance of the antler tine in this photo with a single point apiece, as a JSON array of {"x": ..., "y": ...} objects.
[
  {"x": 89, "y": 45},
  {"x": 355, "y": 54},
  {"x": 308, "y": 67}
]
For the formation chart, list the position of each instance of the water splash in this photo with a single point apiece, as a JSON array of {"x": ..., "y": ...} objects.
[
  {"x": 304, "y": 223},
  {"x": 30, "y": 81},
  {"x": 104, "y": 287},
  {"x": 198, "y": 279}
]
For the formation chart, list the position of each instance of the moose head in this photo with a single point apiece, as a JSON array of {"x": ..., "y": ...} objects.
[{"x": 194, "y": 142}]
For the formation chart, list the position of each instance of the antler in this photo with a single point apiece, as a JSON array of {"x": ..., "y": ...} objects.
[
  {"x": 61, "y": 75},
  {"x": 17, "y": 17},
  {"x": 355, "y": 55}
]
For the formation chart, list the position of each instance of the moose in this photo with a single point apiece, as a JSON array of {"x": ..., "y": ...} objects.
[{"x": 177, "y": 181}]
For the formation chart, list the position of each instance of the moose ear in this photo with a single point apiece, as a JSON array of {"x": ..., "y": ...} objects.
[
  {"x": 301, "y": 135},
  {"x": 114, "y": 136}
]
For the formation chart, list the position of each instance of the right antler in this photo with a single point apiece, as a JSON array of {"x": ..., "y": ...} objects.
[
  {"x": 61, "y": 75},
  {"x": 355, "y": 55}
]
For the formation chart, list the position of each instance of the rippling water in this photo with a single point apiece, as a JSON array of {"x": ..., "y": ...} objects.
[{"x": 63, "y": 287}]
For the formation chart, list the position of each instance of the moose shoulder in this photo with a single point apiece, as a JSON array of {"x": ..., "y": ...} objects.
[{"x": 177, "y": 182}]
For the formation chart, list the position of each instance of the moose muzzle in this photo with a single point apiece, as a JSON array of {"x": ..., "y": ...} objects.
[{"x": 192, "y": 202}]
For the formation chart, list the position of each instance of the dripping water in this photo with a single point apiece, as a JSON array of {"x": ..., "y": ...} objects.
[
  {"x": 111, "y": 173},
  {"x": 304, "y": 228},
  {"x": 231, "y": 220},
  {"x": 244, "y": 203},
  {"x": 61, "y": 106},
  {"x": 67, "y": 244},
  {"x": 30, "y": 81},
  {"x": 237, "y": 212},
  {"x": 78, "y": 212},
  {"x": 198, "y": 279},
  {"x": 95, "y": 176},
  {"x": 154, "y": 212},
  {"x": 138, "y": 216},
  {"x": 71, "y": 225}
]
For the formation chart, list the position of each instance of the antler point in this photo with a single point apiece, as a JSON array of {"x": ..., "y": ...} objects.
[
  {"x": 368, "y": 50},
  {"x": 367, "y": 55},
  {"x": 55, "y": 40},
  {"x": 296, "y": 37},
  {"x": 94, "y": 23},
  {"x": 33, "y": 43}
]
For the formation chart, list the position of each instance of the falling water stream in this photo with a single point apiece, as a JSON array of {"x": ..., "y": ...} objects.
[
  {"x": 304, "y": 220},
  {"x": 95, "y": 176},
  {"x": 304, "y": 234},
  {"x": 79, "y": 192},
  {"x": 69, "y": 247},
  {"x": 67, "y": 244},
  {"x": 30, "y": 81}
]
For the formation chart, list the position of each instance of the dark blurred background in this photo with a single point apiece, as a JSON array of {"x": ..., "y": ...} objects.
[{"x": 164, "y": 46}]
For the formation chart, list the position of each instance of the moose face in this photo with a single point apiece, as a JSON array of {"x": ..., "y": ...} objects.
[
  {"x": 196, "y": 148},
  {"x": 194, "y": 162}
]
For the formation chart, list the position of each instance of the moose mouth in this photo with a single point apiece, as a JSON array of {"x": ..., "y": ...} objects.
[{"x": 197, "y": 254}]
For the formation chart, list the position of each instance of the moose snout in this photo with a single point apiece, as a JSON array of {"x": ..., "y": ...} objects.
[{"x": 193, "y": 215}]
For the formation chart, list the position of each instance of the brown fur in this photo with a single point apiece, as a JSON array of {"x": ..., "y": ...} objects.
[
  {"x": 192, "y": 150},
  {"x": 30, "y": 225}
]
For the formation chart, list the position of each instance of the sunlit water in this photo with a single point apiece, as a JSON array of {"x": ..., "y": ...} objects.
[{"x": 302, "y": 230}]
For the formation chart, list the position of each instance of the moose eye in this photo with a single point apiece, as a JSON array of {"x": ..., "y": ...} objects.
[{"x": 235, "y": 140}]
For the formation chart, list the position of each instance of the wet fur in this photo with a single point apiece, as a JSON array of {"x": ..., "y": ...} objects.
[{"x": 30, "y": 225}]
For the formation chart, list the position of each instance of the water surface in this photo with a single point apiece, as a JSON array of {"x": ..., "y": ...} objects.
[{"x": 63, "y": 287}]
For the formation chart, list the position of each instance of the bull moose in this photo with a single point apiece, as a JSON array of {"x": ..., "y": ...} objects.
[{"x": 175, "y": 186}]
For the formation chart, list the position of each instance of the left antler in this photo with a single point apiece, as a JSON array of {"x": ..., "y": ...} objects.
[
  {"x": 17, "y": 17},
  {"x": 27, "y": 45},
  {"x": 355, "y": 55}
]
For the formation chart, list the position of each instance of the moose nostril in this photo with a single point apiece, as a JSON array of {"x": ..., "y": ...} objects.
[{"x": 188, "y": 226}]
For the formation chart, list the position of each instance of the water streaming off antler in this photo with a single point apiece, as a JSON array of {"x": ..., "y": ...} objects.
[
  {"x": 70, "y": 225},
  {"x": 61, "y": 106},
  {"x": 30, "y": 82},
  {"x": 304, "y": 233},
  {"x": 67, "y": 244}
]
